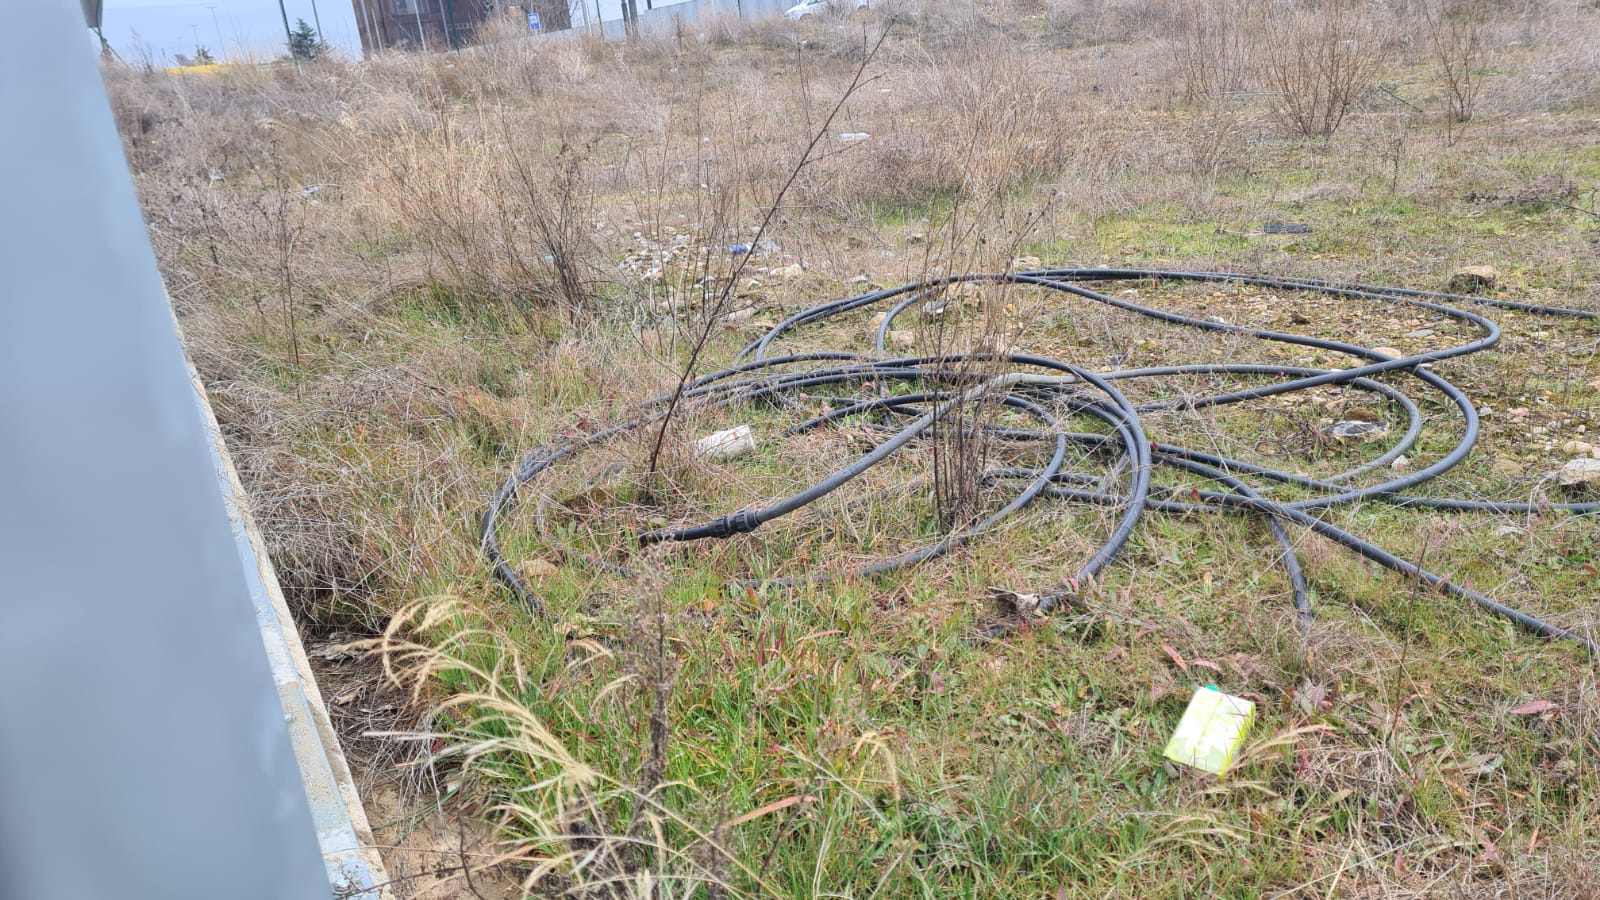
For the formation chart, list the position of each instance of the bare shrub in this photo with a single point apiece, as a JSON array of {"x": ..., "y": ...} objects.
[
  {"x": 1319, "y": 59},
  {"x": 1454, "y": 33},
  {"x": 1212, "y": 46},
  {"x": 506, "y": 223}
]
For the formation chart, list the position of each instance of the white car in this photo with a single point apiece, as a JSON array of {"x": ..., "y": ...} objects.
[{"x": 813, "y": 7}]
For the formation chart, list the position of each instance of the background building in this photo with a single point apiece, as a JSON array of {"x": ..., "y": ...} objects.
[{"x": 438, "y": 24}]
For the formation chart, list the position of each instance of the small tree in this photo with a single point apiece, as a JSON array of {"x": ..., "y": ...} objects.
[{"x": 304, "y": 42}]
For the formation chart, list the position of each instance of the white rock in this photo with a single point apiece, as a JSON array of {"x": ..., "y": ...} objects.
[
  {"x": 1582, "y": 472},
  {"x": 727, "y": 444}
]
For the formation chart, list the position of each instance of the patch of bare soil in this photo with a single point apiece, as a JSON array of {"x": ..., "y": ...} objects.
[{"x": 431, "y": 850}]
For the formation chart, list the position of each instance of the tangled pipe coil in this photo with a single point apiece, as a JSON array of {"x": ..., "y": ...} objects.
[{"x": 757, "y": 376}]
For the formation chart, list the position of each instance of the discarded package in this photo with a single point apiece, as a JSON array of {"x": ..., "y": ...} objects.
[
  {"x": 1211, "y": 731},
  {"x": 728, "y": 444}
]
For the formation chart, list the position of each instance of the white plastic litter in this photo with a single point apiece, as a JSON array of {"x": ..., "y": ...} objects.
[
  {"x": 728, "y": 444},
  {"x": 849, "y": 136}
]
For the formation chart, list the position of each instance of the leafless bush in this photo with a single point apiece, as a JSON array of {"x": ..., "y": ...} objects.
[
  {"x": 1319, "y": 59},
  {"x": 1454, "y": 33},
  {"x": 505, "y": 221},
  {"x": 1212, "y": 46}
]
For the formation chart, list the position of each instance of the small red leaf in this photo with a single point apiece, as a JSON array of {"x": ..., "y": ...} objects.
[
  {"x": 773, "y": 807},
  {"x": 1533, "y": 708},
  {"x": 1206, "y": 663},
  {"x": 1175, "y": 656}
]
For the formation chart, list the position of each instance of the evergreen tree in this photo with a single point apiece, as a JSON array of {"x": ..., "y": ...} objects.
[{"x": 304, "y": 42}]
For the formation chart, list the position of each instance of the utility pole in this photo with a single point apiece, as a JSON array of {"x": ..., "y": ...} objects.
[
  {"x": 317, "y": 19},
  {"x": 447, "y": 21},
  {"x": 222, "y": 46},
  {"x": 372, "y": 37},
  {"x": 416, "y": 7},
  {"x": 288, "y": 37}
]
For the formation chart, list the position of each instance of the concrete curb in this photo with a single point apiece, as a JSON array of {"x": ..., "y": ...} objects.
[{"x": 355, "y": 869}]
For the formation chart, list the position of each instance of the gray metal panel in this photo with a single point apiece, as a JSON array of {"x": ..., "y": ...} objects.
[{"x": 143, "y": 752}]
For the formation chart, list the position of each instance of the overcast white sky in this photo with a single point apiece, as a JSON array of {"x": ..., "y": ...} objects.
[{"x": 164, "y": 28}]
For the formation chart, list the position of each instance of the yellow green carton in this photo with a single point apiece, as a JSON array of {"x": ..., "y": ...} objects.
[{"x": 1211, "y": 731}]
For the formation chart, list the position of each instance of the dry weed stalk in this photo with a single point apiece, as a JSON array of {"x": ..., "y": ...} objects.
[{"x": 717, "y": 308}]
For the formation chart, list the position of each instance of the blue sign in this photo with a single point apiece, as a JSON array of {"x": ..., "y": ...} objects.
[{"x": 533, "y": 21}]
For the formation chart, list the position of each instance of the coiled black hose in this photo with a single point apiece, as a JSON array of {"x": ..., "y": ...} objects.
[{"x": 1034, "y": 385}]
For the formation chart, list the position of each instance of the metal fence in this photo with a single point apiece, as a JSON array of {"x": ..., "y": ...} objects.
[{"x": 606, "y": 15}]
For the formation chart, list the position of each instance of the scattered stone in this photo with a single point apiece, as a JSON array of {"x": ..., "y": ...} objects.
[
  {"x": 740, "y": 315},
  {"x": 1578, "y": 448},
  {"x": 1506, "y": 467},
  {"x": 1023, "y": 263},
  {"x": 917, "y": 238},
  {"x": 1285, "y": 228},
  {"x": 1507, "y": 531},
  {"x": 902, "y": 339},
  {"x": 935, "y": 309},
  {"x": 1420, "y": 333},
  {"x": 1390, "y": 352},
  {"x": 1582, "y": 473},
  {"x": 1401, "y": 464},
  {"x": 728, "y": 444},
  {"x": 537, "y": 567},
  {"x": 1351, "y": 430},
  {"x": 792, "y": 270},
  {"x": 1469, "y": 279},
  {"x": 875, "y": 324}
]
